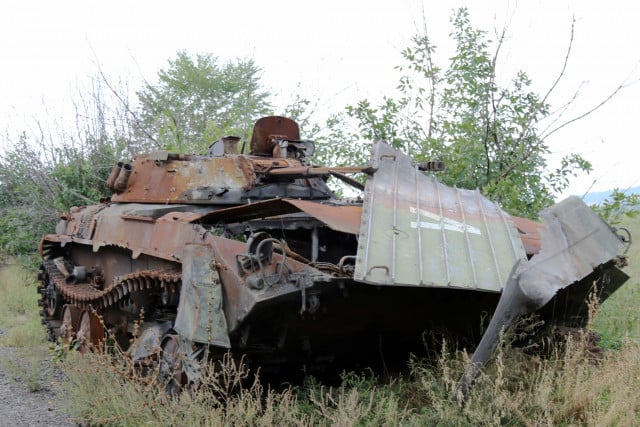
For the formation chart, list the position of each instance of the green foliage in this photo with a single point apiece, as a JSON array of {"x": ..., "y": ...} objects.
[
  {"x": 20, "y": 229},
  {"x": 618, "y": 206},
  {"x": 39, "y": 179},
  {"x": 48, "y": 172},
  {"x": 80, "y": 173},
  {"x": 24, "y": 189},
  {"x": 19, "y": 296},
  {"x": 486, "y": 133},
  {"x": 196, "y": 100},
  {"x": 301, "y": 110},
  {"x": 335, "y": 146}
]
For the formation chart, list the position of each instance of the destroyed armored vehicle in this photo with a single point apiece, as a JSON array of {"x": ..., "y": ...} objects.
[{"x": 255, "y": 254}]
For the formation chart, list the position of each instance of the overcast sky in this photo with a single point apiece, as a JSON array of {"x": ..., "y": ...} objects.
[{"x": 336, "y": 52}]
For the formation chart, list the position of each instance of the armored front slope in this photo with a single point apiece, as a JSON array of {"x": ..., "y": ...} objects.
[{"x": 254, "y": 253}]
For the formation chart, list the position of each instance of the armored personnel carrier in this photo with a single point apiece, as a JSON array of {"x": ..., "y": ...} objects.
[{"x": 256, "y": 255}]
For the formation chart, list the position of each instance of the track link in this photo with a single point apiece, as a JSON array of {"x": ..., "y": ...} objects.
[{"x": 87, "y": 296}]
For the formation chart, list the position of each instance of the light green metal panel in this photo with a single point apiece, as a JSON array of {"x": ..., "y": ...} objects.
[
  {"x": 416, "y": 231},
  {"x": 200, "y": 314}
]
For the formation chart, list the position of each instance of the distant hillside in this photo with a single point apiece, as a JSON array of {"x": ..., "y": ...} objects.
[{"x": 598, "y": 197}]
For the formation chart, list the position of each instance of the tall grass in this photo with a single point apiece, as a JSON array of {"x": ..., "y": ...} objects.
[
  {"x": 568, "y": 388},
  {"x": 518, "y": 389},
  {"x": 619, "y": 318},
  {"x": 20, "y": 324},
  {"x": 225, "y": 396}
]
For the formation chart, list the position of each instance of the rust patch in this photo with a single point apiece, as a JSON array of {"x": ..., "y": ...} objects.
[
  {"x": 529, "y": 234},
  {"x": 340, "y": 218},
  {"x": 268, "y": 129},
  {"x": 178, "y": 181}
]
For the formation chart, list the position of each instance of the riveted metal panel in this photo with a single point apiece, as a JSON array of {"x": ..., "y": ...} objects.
[
  {"x": 416, "y": 231},
  {"x": 200, "y": 314}
]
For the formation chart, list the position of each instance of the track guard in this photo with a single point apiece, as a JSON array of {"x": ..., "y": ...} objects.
[{"x": 200, "y": 311}]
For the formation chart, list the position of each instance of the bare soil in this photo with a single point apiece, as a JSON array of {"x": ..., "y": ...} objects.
[{"x": 21, "y": 407}]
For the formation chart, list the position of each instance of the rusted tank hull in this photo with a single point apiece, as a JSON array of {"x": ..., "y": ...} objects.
[
  {"x": 321, "y": 283},
  {"x": 334, "y": 325},
  {"x": 324, "y": 322}
]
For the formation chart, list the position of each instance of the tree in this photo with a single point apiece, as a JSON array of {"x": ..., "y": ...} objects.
[
  {"x": 38, "y": 180},
  {"x": 56, "y": 167},
  {"x": 488, "y": 134},
  {"x": 196, "y": 100}
]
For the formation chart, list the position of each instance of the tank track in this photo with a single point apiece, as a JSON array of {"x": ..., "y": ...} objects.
[{"x": 87, "y": 296}]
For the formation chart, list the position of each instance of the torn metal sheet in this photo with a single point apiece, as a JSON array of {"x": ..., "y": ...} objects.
[
  {"x": 344, "y": 218},
  {"x": 529, "y": 234},
  {"x": 416, "y": 231},
  {"x": 574, "y": 242},
  {"x": 576, "y": 246}
]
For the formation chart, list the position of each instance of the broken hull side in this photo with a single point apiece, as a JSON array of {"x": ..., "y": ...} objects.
[
  {"x": 570, "y": 306},
  {"x": 357, "y": 326}
]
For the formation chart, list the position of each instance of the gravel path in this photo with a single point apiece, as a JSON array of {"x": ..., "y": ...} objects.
[{"x": 21, "y": 407}]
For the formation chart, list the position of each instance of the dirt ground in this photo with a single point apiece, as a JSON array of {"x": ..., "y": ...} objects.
[{"x": 21, "y": 407}]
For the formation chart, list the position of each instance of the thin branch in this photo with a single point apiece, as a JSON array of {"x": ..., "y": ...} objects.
[
  {"x": 492, "y": 101},
  {"x": 589, "y": 189},
  {"x": 542, "y": 103},
  {"x": 588, "y": 112},
  {"x": 564, "y": 64},
  {"x": 560, "y": 111},
  {"x": 544, "y": 135},
  {"x": 432, "y": 79},
  {"x": 513, "y": 165},
  {"x": 124, "y": 102}
]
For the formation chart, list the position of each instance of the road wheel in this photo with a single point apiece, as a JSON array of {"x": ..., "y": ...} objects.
[
  {"x": 90, "y": 333},
  {"x": 69, "y": 325},
  {"x": 171, "y": 375}
]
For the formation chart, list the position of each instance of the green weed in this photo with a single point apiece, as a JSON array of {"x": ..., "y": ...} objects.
[
  {"x": 23, "y": 334},
  {"x": 619, "y": 317},
  {"x": 19, "y": 296}
]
